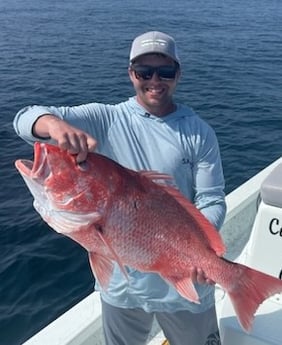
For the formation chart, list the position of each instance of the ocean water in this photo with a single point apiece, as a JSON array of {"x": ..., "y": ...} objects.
[{"x": 61, "y": 52}]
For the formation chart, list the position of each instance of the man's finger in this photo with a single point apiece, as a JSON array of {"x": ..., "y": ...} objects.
[{"x": 91, "y": 144}]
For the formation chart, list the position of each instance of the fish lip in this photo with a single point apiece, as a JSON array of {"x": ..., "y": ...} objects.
[
  {"x": 40, "y": 154},
  {"x": 34, "y": 168},
  {"x": 24, "y": 166}
]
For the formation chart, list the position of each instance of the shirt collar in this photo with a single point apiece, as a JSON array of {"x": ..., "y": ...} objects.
[{"x": 141, "y": 111}]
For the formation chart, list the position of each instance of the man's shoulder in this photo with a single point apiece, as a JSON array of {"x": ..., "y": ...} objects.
[
  {"x": 193, "y": 122},
  {"x": 189, "y": 115}
]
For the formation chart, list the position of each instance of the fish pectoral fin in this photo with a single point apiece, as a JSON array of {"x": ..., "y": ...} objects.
[
  {"x": 102, "y": 268},
  {"x": 185, "y": 287},
  {"x": 114, "y": 254}
]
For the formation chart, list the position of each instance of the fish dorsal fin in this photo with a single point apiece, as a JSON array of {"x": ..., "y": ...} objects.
[
  {"x": 205, "y": 226},
  {"x": 155, "y": 175}
]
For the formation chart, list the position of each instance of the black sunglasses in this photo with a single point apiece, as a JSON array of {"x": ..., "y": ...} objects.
[{"x": 166, "y": 72}]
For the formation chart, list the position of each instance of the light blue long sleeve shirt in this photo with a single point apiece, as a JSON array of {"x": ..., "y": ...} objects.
[{"x": 180, "y": 144}]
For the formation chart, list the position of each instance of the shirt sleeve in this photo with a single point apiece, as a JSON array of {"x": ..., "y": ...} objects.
[
  {"x": 209, "y": 183},
  {"x": 93, "y": 118},
  {"x": 25, "y": 119}
]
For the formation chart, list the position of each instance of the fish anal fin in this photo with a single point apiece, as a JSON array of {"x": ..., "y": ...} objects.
[
  {"x": 185, "y": 288},
  {"x": 102, "y": 268}
]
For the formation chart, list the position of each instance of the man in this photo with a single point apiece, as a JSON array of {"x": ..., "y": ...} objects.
[{"x": 149, "y": 131}]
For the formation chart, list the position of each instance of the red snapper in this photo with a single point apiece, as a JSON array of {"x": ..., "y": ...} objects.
[{"x": 125, "y": 216}]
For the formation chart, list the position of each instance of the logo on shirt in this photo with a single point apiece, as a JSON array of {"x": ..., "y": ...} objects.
[{"x": 185, "y": 161}]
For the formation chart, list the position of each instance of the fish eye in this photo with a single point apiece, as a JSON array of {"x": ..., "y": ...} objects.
[{"x": 83, "y": 166}]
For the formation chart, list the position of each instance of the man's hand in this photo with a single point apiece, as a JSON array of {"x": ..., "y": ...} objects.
[
  {"x": 198, "y": 276},
  {"x": 68, "y": 138}
]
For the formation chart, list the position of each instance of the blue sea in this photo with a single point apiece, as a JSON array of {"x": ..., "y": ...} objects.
[{"x": 68, "y": 52}]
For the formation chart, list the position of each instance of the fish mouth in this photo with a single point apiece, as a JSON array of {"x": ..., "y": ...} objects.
[{"x": 37, "y": 168}]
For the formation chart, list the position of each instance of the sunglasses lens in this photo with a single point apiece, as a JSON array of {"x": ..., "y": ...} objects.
[
  {"x": 143, "y": 72},
  {"x": 146, "y": 72},
  {"x": 167, "y": 72}
]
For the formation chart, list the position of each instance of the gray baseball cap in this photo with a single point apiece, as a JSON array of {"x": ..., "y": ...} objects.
[{"x": 154, "y": 42}]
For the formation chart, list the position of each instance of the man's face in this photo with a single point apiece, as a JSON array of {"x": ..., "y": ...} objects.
[{"x": 155, "y": 93}]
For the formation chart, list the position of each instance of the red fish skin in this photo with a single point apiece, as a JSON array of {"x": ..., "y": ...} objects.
[{"x": 141, "y": 224}]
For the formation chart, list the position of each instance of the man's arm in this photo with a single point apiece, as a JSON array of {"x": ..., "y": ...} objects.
[
  {"x": 37, "y": 123},
  {"x": 209, "y": 181},
  {"x": 67, "y": 137}
]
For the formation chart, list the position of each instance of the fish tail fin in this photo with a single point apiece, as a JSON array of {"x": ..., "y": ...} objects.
[{"x": 250, "y": 290}]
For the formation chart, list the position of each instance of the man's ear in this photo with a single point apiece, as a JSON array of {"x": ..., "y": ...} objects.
[
  {"x": 178, "y": 75},
  {"x": 131, "y": 74}
]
